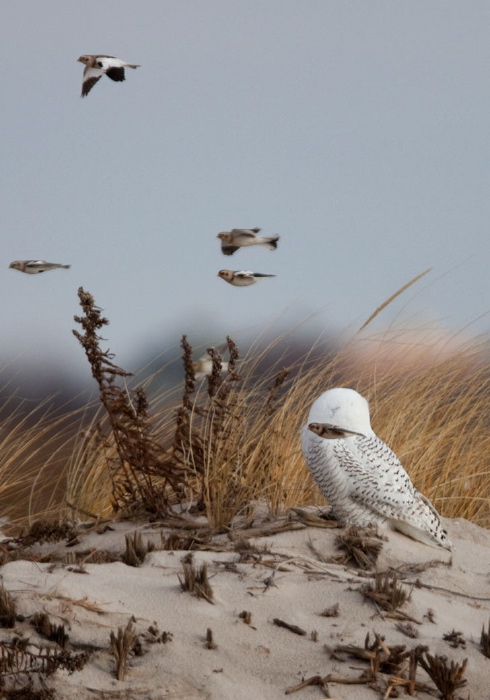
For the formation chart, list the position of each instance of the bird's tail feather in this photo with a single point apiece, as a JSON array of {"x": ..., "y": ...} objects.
[{"x": 427, "y": 529}]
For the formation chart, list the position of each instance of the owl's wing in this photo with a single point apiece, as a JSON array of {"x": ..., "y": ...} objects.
[
  {"x": 372, "y": 476},
  {"x": 376, "y": 475}
]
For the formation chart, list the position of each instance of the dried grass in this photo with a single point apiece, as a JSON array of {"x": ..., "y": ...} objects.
[
  {"x": 232, "y": 440},
  {"x": 35, "y": 445},
  {"x": 121, "y": 645}
]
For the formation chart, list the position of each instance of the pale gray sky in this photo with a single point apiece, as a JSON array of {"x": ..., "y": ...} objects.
[{"x": 358, "y": 131}]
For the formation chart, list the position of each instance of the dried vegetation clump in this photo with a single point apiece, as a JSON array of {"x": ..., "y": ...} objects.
[
  {"x": 195, "y": 579},
  {"x": 361, "y": 546},
  {"x": 399, "y": 667},
  {"x": 142, "y": 475},
  {"x": 386, "y": 591},
  {"x": 447, "y": 676},
  {"x": 136, "y": 549},
  {"x": 121, "y": 646},
  {"x": 211, "y": 443},
  {"x": 49, "y": 630},
  {"x": 21, "y": 662},
  {"x": 221, "y": 436},
  {"x": 48, "y": 531}
]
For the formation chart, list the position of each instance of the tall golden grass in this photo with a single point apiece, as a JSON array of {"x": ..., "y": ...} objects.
[
  {"x": 35, "y": 447},
  {"x": 429, "y": 397}
]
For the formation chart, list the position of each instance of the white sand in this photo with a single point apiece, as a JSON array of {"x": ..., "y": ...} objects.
[{"x": 261, "y": 660}]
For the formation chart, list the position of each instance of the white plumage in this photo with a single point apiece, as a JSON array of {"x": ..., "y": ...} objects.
[{"x": 360, "y": 475}]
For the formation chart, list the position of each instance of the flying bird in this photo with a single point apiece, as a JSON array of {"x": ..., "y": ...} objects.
[
  {"x": 241, "y": 237},
  {"x": 329, "y": 431},
  {"x": 34, "y": 267},
  {"x": 97, "y": 66},
  {"x": 360, "y": 475},
  {"x": 203, "y": 367},
  {"x": 241, "y": 278}
]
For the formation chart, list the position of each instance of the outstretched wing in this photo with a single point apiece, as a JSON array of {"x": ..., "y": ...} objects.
[
  {"x": 90, "y": 77},
  {"x": 117, "y": 74},
  {"x": 245, "y": 232},
  {"x": 228, "y": 249}
]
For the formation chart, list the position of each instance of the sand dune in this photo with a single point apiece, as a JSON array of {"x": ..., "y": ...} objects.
[{"x": 280, "y": 577}]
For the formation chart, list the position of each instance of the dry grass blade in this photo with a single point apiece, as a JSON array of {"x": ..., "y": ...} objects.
[
  {"x": 314, "y": 680},
  {"x": 35, "y": 447},
  {"x": 388, "y": 301},
  {"x": 80, "y": 602},
  {"x": 121, "y": 647}
]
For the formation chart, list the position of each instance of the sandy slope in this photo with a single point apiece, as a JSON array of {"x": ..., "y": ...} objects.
[{"x": 258, "y": 660}]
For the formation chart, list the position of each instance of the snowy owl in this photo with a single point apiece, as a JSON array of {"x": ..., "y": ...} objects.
[{"x": 360, "y": 476}]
